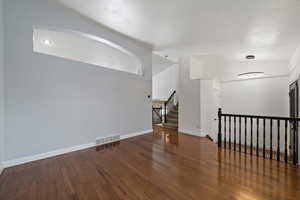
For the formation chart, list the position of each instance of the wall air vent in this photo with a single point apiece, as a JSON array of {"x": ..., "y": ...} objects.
[{"x": 107, "y": 140}]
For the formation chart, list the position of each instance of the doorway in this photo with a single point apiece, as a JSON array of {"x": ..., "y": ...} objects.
[{"x": 294, "y": 113}]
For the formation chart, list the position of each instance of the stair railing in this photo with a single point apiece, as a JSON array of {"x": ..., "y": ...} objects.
[
  {"x": 157, "y": 116},
  {"x": 236, "y": 135},
  {"x": 168, "y": 105}
]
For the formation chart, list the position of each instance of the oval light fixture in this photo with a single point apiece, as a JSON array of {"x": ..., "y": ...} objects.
[
  {"x": 250, "y": 57},
  {"x": 249, "y": 75}
]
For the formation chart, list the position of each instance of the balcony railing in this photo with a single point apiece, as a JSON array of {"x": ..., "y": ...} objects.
[{"x": 266, "y": 136}]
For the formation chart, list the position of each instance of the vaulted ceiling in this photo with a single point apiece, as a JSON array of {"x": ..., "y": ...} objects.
[{"x": 270, "y": 29}]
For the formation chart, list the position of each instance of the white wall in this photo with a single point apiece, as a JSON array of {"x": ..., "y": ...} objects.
[
  {"x": 268, "y": 97},
  {"x": 1, "y": 85},
  {"x": 53, "y": 103},
  {"x": 160, "y": 63},
  {"x": 210, "y": 102},
  {"x": 206, "y": 67},
  {"x": 165, "y": 83},
  {"x": 265, "y": 96},
  {"x": 189, "y": 98},
  {"x": 295, "y": 74},
  {"x": 294, "y": 66},
  {"x": 177, "y": 77}
]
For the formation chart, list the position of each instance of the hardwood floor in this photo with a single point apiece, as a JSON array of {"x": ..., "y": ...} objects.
[{"x": 152, "y": 167}]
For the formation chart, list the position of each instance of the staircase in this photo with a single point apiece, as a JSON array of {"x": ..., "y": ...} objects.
[
  {"x": 169, "y": 117},
  {"x": 172, "y": 118}
]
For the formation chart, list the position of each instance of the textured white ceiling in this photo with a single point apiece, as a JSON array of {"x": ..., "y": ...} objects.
[{"x": 270, "y": 29}]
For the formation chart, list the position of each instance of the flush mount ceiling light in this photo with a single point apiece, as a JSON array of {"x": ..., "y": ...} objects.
[
  {"x": 250, "y": 57},
  {"x": 250, "y": 75},
  {"x": 47, "y": 42}
]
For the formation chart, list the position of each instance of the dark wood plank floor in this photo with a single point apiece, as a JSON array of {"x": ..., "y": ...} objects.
[{"x": 152, "y": 167}]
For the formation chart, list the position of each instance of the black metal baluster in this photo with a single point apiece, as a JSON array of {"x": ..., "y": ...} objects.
[
  {"x": 234, "y": 133},
  {"x": 240, "y": 133},
  {"x": 251, "y": 132},
  {"x": 233, "y": 141},
  {"x": 285, "y": 142},
  {"x": 271, "y": 139},
  {"x": 225, "y": 132},
  {"x": 245, "y": 134},
  {"x": 278, "y": 140},
  {"x": 230, "y": 132},
  {"x": 294, "y": 142},
  {"x": 264, "y": 138},
  {"x": 220, "y": 128},
  {"x": 257, "y": 136}
]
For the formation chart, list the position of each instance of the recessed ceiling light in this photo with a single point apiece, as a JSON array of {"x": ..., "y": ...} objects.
[
  {"x": 250, "y": 75},
  {"x": 48, "y": 42},
  {"x": 250, "y": 57}
]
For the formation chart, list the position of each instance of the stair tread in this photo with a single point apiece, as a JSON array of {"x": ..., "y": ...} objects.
[
  {"x": 170, "y": 124},
  {"x": 166, "y": 126},
  {"x": 173, "y": 119},
  {"x": 172, "y": 113}
]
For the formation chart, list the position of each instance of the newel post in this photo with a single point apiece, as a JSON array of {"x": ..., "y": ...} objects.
[{"x": 220, "y": 127}]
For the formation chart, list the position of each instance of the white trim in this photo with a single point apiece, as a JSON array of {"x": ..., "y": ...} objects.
[
  {"x": 1, "y": 169},
  {"x": 294, "y": 61},
  {"x": 23, "y": 160},
  {"x": 190, "y": 132},
  {"x": 123, "y": 137},
  {"x": 27, "y": 159}
]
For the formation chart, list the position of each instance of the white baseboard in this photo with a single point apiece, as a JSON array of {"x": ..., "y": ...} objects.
[
  {"x": 23, "y": 160},
  {"x": 190, "y": 132},
  {"x": 123, "y": 137},
  {"x": 27, "y": 159}
]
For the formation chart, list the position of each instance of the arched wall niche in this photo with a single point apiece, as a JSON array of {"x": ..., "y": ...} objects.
[{"x": 86, "y": 48}]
